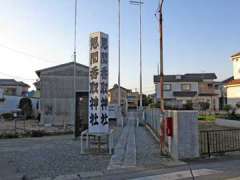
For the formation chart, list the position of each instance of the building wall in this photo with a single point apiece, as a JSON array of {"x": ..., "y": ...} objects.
[
  {"x": 16, "y": 90},
  {"x": 56, "y": 94},
  {"x": 113, "y": 96},
  {"x": 206, "y": 87},
  {"x": 233, "y": 95},
  {"x": 236, "y": 68},
  {"x": 175, "y": 86}
]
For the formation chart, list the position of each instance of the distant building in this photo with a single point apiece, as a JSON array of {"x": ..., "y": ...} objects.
[
  {"x": 132, "y": 100},
  {"x": 56, "y": 93},
  {"x": 113, "y": 95},
  {"x": 12, "y": 87},
  {"x": 233, "y": 86},
  {"x": 180, "y": 90}
]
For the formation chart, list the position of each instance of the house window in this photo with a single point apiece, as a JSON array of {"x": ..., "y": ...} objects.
[
  {"x": 167, "y": 87},
  {"x": 210, "y": 85},
  {"x": 186, "y": 87},
  {"x": 10, "y": 91}
]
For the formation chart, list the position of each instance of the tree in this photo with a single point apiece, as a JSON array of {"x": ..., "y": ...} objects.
[
  {"x": 227, "y": 108},
  {"x": 25, "y": 105},
  {"x": 188, "y": 106}
]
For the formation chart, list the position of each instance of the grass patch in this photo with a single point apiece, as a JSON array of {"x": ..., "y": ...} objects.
[{"x": 208, "y": 118}]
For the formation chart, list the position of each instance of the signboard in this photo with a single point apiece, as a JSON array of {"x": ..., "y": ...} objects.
[{"x": 98, "y": 83}]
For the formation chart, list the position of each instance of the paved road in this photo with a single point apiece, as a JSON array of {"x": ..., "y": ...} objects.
[
  {"x": 125, "y": 151},
  {"x": 136, "y": 157},
  {"x": 224, "y": 168}
]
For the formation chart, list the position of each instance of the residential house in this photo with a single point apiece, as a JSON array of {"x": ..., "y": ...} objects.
[
  {"x": 12, "y": 87},
  {"x": 233, "y": 85},
  {"x": 113, "y": 95},
  {"x": 57, "y": 94},
  {"x": 221, "y": 90},
  {"x": 194, "y": 88}
]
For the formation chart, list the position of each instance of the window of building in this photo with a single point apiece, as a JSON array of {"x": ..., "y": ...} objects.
[
  {"x": 10, "y": 91},
  {"x": 186, "y": 87},
  {"x": 167, "y": 87},
  {"x": 210, "y": 85}
]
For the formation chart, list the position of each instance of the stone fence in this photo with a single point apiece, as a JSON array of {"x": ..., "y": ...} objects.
[{"x": 184, "y": 142}]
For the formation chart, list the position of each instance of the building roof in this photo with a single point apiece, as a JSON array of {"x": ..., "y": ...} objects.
[
  {"x": 207, "y": 94},
  {"x": 193, "y": 77},
  {"x": 202, "y": 75},
  {"x": 185, "y": 93},
  {"x": 235, "y": 55},
  {"x": 234, "y": 82},
  {"x": 38, "y": 72},
  {"x": 116, "y": 86},
  {"x": 228, "y": 80},
  {"x": 12, "y": 82}
]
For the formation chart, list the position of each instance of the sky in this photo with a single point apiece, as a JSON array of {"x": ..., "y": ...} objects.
[{"x": 199, "y": 36}]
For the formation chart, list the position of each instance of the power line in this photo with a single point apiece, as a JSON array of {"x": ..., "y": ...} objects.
[
  {"x": 16, "y": 77},
  {"x": 27, "y": 54}
]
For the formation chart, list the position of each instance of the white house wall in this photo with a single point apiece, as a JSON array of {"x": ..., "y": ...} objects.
[
  {"x": 236, "y": 68},
  {"x": 11, "y": 103},
  {"x": 175, "y": 86},
  {"x": 233, "y": 94}
]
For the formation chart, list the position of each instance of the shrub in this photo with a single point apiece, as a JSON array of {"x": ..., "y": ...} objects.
[
  {"x": 227, "y": 108},
  {"x": 207, "y": 118},
  {"x": 188, "y": 106},
  {"x": 25, "y": 105},
  {"x": 7, "y": 116}
]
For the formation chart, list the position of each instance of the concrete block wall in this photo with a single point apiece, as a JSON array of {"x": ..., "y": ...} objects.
[{"x": 185, "y": 141}]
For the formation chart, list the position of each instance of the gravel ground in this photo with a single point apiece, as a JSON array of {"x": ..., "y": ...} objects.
[{"x": 49, "y": 156}]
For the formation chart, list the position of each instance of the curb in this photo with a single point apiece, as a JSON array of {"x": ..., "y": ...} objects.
[{"x": 152, "y": 133}]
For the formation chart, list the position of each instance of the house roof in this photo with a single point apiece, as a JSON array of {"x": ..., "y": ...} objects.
[
  {"x": 235, "y": 55},
  {"x": 12, "y": 82},
  {"x": 234, "y": 82},
  {"x": 193, "y": 77},
  {"x": 202, "y": 75},
  {"x": 116, "y": 86},
  {"x": 185, "y": 93},
  {"x": 228, "y": 80},
  {"x": 38, "y": 72},
  {"x": 208, "y": 94}
]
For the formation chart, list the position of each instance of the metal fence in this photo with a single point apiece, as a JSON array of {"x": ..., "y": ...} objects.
[
  {"x": 152, "y": 118},
  {"x": 219, "y": 141},
  {"x": 22, "y": 127}
]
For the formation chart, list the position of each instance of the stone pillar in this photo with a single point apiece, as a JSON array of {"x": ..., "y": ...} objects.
[
  {"x": 185, "y": 141},
  {"x": 98, "y": 83}
]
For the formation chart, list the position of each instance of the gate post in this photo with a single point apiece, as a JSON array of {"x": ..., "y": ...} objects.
[{"x": 208, "y": 145}]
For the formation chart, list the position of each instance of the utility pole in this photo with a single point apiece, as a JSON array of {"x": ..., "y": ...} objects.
[
  {"x": 74, "y": 73},
  {"x": 161, "y": 57},
  {"x": 140, "y": 3},
  {"x": 162, "y": 121},
  {"x": 119, "y": 62}
]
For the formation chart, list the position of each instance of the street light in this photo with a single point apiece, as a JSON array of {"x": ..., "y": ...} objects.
[
  {"x": 140, "y": 3},
  {"x": 74, "y": 72},
  {"x": 119, "y": 63}
]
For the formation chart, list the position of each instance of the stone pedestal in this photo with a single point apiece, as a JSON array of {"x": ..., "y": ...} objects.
[{"x": 185, "y": 141}]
